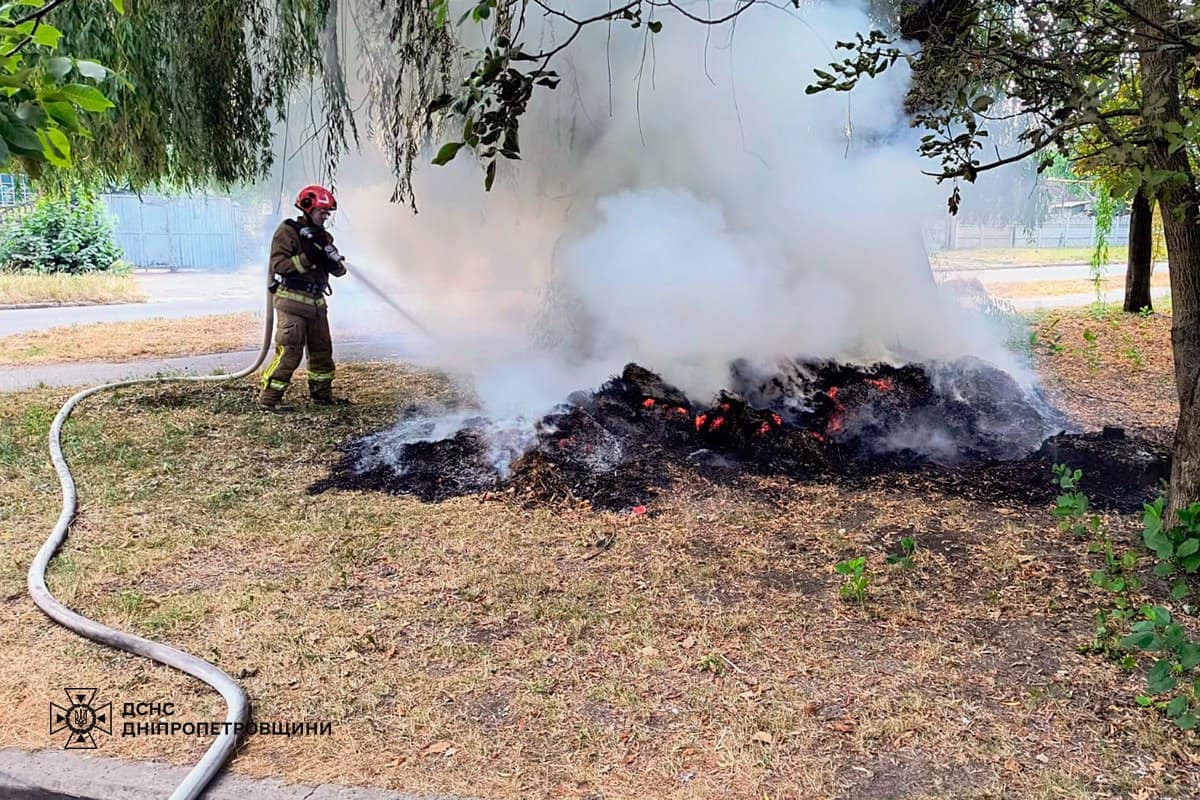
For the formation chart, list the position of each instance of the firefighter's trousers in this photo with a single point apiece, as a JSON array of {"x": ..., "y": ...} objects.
[{"x": 297, "y": 329}]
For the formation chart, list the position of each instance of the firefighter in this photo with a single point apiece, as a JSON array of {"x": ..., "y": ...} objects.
[{"x": 302, "y": 259}]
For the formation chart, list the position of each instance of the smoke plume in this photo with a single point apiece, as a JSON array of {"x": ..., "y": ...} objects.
[{"x": 695, "y": 208}]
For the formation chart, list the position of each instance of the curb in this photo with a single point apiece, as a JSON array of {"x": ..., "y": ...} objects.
[
  {"x": 66, "y": 775},
  {"x": 32, "y": 306}
]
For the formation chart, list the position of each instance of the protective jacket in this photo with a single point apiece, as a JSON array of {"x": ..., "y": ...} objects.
[
  {"x": 302, "y": 269},
  {"x": 299, "y": 261}
]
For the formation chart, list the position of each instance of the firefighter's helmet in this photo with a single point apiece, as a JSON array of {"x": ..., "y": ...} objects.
[{"x": 314, "y": 197}]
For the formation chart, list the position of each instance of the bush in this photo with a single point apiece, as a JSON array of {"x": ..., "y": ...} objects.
[{"x": 59, "y": 236}]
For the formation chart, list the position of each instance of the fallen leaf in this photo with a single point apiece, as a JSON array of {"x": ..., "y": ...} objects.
[
  {"x": 438, "y": 747},
  {"x": 762, "y": 737},
  {"x": 688, "y": 643}
]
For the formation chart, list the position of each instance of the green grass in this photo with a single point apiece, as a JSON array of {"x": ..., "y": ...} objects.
[{"x": 1014, "y": 256}]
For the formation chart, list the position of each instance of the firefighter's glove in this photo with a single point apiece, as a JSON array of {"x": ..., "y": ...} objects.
[
  {"x": 335, "y": 258},
  {"x": 308, "y": 232}
]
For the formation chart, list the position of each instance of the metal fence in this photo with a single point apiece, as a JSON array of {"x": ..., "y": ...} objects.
[
  {"x": 1074, "y": 231},
  {"x": 176, "y": 232}
]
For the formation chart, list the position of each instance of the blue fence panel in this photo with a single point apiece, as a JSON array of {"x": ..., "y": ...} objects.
[{"x": 176, "y": 232}]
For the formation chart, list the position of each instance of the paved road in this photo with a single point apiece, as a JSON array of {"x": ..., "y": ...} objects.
[
  {"x": 168, "y": 294},
  {"x": 1025, "y": 274}
]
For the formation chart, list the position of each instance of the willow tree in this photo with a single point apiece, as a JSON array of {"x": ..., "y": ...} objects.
[{"x": 199, "y": 87}]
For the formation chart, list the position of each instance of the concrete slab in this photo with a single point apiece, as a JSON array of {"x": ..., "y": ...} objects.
[{"x": 70, "y": 775}]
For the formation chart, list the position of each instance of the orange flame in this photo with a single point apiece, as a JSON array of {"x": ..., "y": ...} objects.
[
  {"x": 717, "y": 423},
  {"x": 882, "y": 384},
  {"x": 835, "y": 419},
  {"x": 648, "y": 402},
  {"x": 764, "y": 428},
  {"x": 776, "y": 419},
  {"x": 700, "y": 420}
]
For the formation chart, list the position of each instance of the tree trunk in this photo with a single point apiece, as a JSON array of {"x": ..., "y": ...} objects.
[
  {"x": 1159, "y": 69},
  {"x": 1139, "y": 266}
]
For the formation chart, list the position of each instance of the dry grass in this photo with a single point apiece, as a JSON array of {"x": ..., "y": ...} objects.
[
  {"x": 1106, "y": 367},
  {"x": 1078, "y": 286},
  {"x": 1031, "y": 256},
  {"x": 124, "y": 341},
  {"x": 68, "y": 289},
  {"x": 472, "y": 647}
]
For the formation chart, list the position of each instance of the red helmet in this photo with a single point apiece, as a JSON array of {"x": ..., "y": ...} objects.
[{"x": 312, "y": 197}]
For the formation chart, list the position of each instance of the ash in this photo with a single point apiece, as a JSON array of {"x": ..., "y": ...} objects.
[{"x": 962, "y": 426}]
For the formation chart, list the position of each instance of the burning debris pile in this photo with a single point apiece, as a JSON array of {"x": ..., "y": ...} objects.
[{"x": 618, "y": 446}]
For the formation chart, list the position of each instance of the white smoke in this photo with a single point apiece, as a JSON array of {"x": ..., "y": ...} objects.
[{"x": 717, "y": 212}]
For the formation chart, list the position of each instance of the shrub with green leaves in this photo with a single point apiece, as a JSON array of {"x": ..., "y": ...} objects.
[
  {"x": 59, "y": 236},
  {"x": 1172, "y": 679},
  {"x": 1177, "y": 547}
]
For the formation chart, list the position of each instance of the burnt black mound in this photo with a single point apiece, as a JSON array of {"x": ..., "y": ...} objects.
[{"x": 963, "y": 427}]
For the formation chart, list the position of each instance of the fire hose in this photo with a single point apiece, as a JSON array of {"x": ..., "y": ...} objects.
[{"x": 219, "y": 751}]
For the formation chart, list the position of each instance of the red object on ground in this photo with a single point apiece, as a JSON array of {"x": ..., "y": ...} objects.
[{"x": 637, "y": 510}]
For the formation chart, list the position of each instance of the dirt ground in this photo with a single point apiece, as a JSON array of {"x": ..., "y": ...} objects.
[{"x": 480, "y": 648}]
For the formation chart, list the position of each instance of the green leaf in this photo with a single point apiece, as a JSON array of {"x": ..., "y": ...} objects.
[
  {"x": 1177, "y": 706},
  {"x": 32, "y": 114},
  {"x": 21, "y": 138},
  {"x": 1189, "y": 547},
  {"x": 1160, "y": 679},
  {"x": 119, "y": 5},
  {"x": 63, "y": 113},
  {"x": 1179, "y": 589},
  {"x": 1141, "y": 641},
  {"x": 90, "y": 69},
  {"x": 489, "y": 177},
  {"x": 1189, "y": 655},
  {"x": 1186, "y": 721},
  {"x": 654, "y": 25},
  {"x": 982, "y": 103},
  {"x": 17, "y": 80},
  {"x": 43, "y": 33},
  {"x": 1157, "y": 614},
  {"x": 59, "y": 67},
  {"x": 447, "y": 153},
  {"x": 1164, "y": 568},
  {"x": 89, "y": 98},
  {"x": 4, "y": 154}
]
